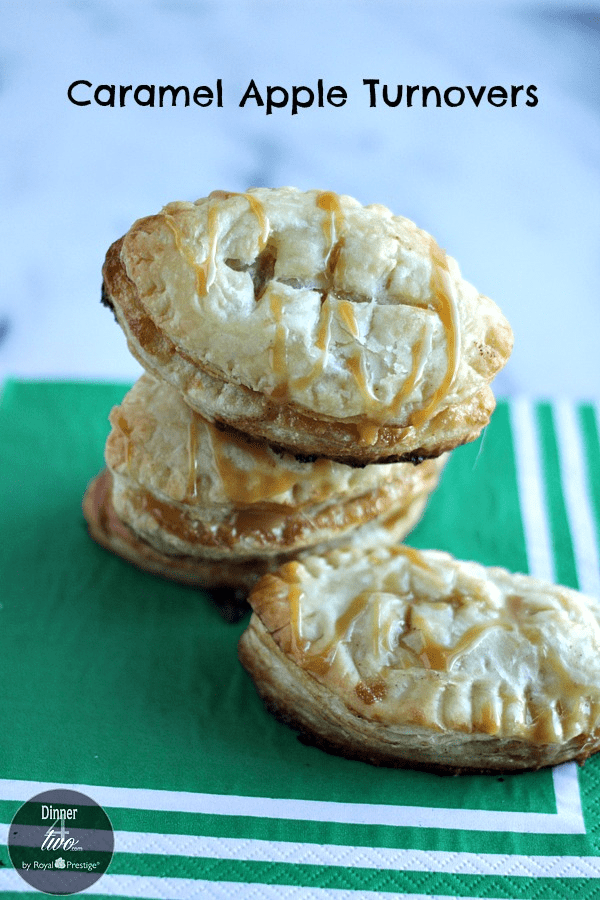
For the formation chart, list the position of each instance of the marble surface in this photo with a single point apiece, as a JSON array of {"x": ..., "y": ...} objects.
[{"x": 512, "y": 193}]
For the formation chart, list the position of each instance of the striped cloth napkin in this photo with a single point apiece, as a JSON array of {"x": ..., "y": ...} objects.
[{"x": 128, "y": 689}]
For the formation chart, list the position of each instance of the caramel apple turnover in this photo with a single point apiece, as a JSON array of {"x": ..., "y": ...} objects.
[
  {"x": 415, "y": 659},
  {"x": 327, "y": 328}
]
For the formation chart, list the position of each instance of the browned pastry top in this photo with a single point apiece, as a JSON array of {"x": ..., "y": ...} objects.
[
  {"x": 276, "y": 308},
  {"x": 417, "y": 639}
]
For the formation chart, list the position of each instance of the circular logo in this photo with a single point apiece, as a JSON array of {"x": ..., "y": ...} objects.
[{"x": 61, "y": 842}]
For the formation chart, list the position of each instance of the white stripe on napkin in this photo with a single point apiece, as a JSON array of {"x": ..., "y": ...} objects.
[
  {"x": 577, "y": 500},
  {"x": 534, "y": 512},
  {"x": 568, "y": 818}
]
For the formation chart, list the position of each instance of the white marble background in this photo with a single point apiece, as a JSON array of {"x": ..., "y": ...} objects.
[{"x": 513, "y": 194}]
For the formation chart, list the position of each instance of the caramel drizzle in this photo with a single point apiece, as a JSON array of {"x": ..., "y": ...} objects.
[
  {"x": 256, "y": 207},
  {"x": 322, "y": 343},
  {"x": 126, "y": 430},
  {"x": 206, "y": 271},
  {"x": 329, "y": 202},
  {"x": 377, "y": 628},
  {"x": 414, "y": 556},
  {"x": 546, "y": 722},
  {"x": 444, "y": 294},
  {"x": 368, "y": 431},
  {"x": 265, "y": 480},
  {"x": 279, "y": 349},
  {"x": 440, "y": 285},
  {"x": 418, "y": 359},
  {"x": 356, "y": 365},
  {"x": 320, "y": 663},
  {"x": 440, "y": 658},
  {"x": 348, "y": 317}
]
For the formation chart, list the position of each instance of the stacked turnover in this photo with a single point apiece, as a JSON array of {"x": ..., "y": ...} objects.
[{"x": 297, "y": 348}]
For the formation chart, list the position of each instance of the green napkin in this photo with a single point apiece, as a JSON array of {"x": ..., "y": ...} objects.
[{"x": 129, "y": 687}]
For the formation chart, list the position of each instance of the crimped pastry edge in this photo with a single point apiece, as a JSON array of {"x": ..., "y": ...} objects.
[
  {"x": 302, "y": 703},
  {"x": 285, "y": 531},
  {"x": 159, "y": 443}
]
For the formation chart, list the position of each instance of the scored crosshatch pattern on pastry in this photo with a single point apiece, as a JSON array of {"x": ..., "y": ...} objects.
[
  {"x": 271, "y": 310},
  {"x": 431, "y": 859},
  {"x": 420, "y": 660}
]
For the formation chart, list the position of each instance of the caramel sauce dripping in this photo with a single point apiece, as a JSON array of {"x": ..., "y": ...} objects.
[
  {"x": 356, "y": 365},
  {"x": 169, "y": 517},
  {"x": 411, "y": 380},
  {"x": 368, "y": 432},
  {"x": 329, "y": 202},
  {"x": 258, "y": 210},
  {"x": 548, "y": 723},
  {"x": 322, "y": 343},
  {"x": 206, "y": 271},
  {"x": 442, "y": 659},
  {"x": 264, "y": 523},
  {"x": 125, "y": 428},
  {"x": 258, "y": 524},
  {"x": 278, "y": 350},
  {"x": 348, "y": 317},
  {"x": 267, "y": 479},
  {"x": 294, "y": 597},
  {"x": 415, "y": 556},
  {"x": 320, "y": 662},
  {"x": 443, "y": 291},
  {"x": 441, "y": 287}
]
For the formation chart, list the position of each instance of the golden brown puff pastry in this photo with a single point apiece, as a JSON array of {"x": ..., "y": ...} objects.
[
  {"x": 228, "y": 577},
  {"x": 182, "y": 484},
  {"x": 213, "y": 508},
  {"x": 325, "y": 327},
  {"x": 419, "y": 660}
]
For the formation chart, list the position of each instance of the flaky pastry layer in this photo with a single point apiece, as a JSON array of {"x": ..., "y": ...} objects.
[
  {"x": 186, "y": 487},
  {"x": 326, "y": 327},
  {"x": 157, "y": 441},
  {"x": 418, "y": 659},
  {"x": 229, "y": 570}
]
